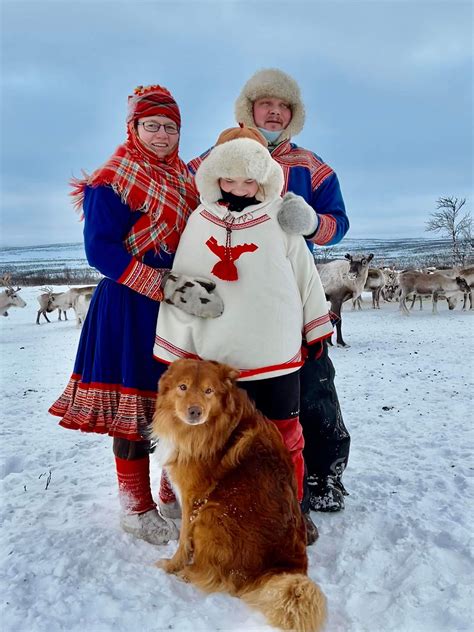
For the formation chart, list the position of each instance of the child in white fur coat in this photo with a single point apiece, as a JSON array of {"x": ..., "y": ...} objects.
[{"x": 272, "y": 294}]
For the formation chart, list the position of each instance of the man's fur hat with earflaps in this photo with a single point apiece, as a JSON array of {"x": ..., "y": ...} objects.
[
  {"x": 240, "y": 152},
  {"x": 271, "y": 82}
]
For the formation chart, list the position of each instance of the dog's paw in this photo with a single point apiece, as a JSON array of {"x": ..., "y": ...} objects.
[
  {"x": 169, "y": 565},
  {"x": 183, "y": 576},
  {"x": 163, "y": 563}
]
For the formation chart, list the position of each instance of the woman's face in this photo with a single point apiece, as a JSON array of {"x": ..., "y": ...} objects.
[
  {"x": 158, "y": 133},
  {"x": 243, "y": 187}
]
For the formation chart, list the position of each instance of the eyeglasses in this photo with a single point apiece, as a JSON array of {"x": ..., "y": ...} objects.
[{"x": 151, "y": 126}]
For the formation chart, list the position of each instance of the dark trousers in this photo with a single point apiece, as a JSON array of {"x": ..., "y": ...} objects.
[
  {"x": 327, "y": 441},
  {"x": 275, "y": 397},
  {"x": 130, "y": 450}
]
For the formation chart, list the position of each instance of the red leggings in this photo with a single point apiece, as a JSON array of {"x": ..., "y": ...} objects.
[{"x": 292, "y": 434}]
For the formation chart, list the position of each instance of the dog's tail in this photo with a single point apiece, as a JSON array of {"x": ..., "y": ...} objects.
[{"x": 289, "y": 601}]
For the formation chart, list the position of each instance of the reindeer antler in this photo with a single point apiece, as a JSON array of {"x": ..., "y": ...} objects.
[{"x": 6, "y": 280}]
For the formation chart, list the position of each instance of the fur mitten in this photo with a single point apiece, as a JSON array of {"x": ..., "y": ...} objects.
[
  {"x": 193, "y": 295},
  {"x": 296, "y": 216}
]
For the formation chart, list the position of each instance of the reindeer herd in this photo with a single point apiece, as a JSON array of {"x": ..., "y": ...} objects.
[
  {"x": 347, "y": 278},
  {"x": 76, "y": 298},
  {"x": 342, "y": 279}
]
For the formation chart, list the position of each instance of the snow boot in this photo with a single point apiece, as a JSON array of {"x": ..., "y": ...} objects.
[
  {"x": 326, "y": 493},
  {"x": 170, "y": 510},
  {"x": 149, "y": 526}
]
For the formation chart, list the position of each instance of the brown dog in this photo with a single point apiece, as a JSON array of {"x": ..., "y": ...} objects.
[{"x": 242, "y": 528}]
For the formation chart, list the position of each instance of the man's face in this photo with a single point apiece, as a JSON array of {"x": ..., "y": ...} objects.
[{"x": 272, "y": 114}]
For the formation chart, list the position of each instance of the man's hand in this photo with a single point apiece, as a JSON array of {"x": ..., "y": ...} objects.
[
  {"x": 296, "y": 216},
  {"x": 193, "y": 295}
]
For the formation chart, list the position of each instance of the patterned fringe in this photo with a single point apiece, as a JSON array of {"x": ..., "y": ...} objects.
[{"x": 105, "y": 409}]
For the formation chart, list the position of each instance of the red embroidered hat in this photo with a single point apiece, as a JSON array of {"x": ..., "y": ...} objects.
[{"x": 152, "y": 101}]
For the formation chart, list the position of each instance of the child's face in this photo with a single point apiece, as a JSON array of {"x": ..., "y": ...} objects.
[{"x": 243, "y": 187}]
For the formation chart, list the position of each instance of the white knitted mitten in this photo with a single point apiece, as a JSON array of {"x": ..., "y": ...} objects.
[{"x": 296, "y": 216}]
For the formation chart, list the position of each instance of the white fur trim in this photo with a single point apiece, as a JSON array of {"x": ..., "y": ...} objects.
[
  {"x": 271, "y": 82},
  {"x": 239, "y": 158}
]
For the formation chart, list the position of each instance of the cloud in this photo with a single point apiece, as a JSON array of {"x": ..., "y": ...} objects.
[
  {"x": 39, "y": 217},
  {"x": 387, "y": 87}
]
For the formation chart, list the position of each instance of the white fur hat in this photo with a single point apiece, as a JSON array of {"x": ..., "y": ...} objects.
[
  {"x": 239, "y": 158},
  {"x": 271, "y": 82}
]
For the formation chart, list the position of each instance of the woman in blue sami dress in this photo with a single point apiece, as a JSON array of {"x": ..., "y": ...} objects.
[{"x": 135, "y": 207}]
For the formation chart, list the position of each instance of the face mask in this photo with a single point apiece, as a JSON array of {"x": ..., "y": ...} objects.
[
  {"x": 238, "y": 203},
  {"x": 269, "y": 135}
]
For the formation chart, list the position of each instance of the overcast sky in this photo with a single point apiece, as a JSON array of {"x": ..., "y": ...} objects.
[{"x": 387, "y": 86}]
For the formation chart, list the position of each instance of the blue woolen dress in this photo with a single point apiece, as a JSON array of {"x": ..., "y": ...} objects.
[{"x": 114, "y": 384}]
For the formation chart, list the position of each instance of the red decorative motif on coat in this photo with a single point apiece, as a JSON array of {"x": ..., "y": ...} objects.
[{"x": 225, "y": 269}]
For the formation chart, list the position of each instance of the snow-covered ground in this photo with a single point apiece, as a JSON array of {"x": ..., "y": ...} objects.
[{"x": 398, "y": 559}]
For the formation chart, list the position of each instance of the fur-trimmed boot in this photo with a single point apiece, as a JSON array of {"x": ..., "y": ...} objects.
[
  {"x": 149, "y": 526},
  {"x": 139, "y": 515}
]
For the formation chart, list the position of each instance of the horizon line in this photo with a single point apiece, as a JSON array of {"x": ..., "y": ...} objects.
[{"x": 80, "y": 243}]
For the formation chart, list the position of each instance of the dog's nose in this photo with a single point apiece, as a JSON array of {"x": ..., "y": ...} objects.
[{"x": 194, "y": 413}]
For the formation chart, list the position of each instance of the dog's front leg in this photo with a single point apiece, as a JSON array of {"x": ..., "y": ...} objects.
[
  {"x": 182, "y": 558},
  {"x": 184, "y": 553}
]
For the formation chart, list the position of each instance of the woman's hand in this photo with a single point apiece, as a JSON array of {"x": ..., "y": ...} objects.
[
  {"x": 193, "y": 295},
  {"x": 296, "y": 216}
]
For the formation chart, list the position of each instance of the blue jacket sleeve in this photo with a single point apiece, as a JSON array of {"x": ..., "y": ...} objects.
[
  {"x": 107, "y": 222},
  {"x": 327, "y": 200}
]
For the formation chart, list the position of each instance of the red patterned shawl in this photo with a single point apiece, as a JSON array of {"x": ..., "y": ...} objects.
[{"x": 163, "y": 190}]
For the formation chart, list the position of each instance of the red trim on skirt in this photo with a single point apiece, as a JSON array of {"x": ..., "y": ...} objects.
[{"x": 103, "y": 408}]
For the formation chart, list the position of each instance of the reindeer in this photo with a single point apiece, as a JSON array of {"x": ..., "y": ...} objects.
[
  {"x": 375, "y": 284},
  {"x": 9, "y": 297},
  {"x": 433, "y": 284},
  {"x": 466, "y": 273},
  {"x": 50, "y": 301},
  {"x": 81, "y": 303},
  {"x": 341, "y": 281},
  {"x": 45, "y": 304},
  {"x": 62, "y": 301},
  {"x": 391, "y": 284}
]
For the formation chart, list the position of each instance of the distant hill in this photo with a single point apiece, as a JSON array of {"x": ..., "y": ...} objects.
[
  {"x": 48, "y": 264},
  {"x": 402, "y": 253},
  {"x": 67, "y": 263}
]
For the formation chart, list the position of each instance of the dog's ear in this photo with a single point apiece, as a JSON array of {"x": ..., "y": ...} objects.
[
  {"x": 228, "y": 373},
  {"x": 164, "y": 383}
]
